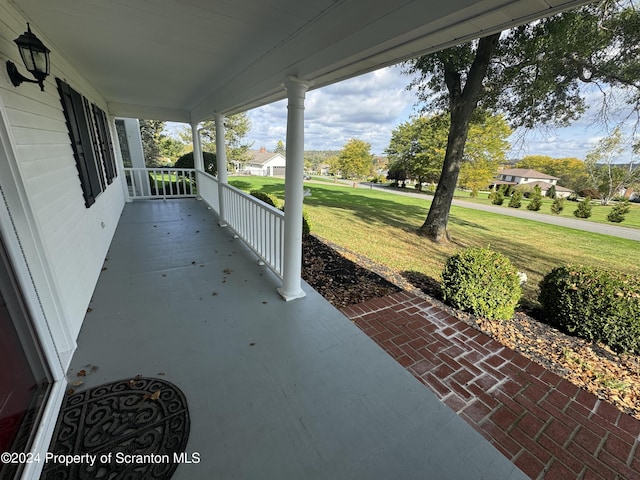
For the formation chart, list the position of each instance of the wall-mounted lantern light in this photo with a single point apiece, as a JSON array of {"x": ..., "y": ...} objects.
[{"x": 35, "y": 57}]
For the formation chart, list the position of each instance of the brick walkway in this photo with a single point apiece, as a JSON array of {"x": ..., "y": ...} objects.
[{"x": 544, "y": 424}]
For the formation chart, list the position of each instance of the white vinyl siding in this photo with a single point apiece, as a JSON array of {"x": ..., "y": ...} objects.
[{"x": 75, "y": 239}]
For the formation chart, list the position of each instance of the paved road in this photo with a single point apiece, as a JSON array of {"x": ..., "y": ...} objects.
[{"x": 606, "y": 229}]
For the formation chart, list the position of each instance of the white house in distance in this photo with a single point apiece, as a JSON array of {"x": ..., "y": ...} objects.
[
  {"x": 528, "y": 176},
  {"x": 265, "y": 164},
  {"x": 64, "y": 187}
]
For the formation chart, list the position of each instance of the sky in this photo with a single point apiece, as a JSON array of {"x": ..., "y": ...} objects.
[{"x": 370, "y": 106}]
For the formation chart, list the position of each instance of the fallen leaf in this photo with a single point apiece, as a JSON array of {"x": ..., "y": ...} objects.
[
  {"x": 82, "y": 373},
  {"x": 156, "y": 395},
  {"x": 70, "y": 391},
  {"x": 77, "y": 383}
]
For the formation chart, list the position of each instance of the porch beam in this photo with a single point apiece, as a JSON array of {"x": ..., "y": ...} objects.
[
  {"x": 293, "y": 195},
  {"x": 221, "y": 161}
]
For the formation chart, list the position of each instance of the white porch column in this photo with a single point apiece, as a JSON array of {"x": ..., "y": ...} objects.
[
  {"x": 221, "y": 160},
  {"x": 198, "y": 162},
  {"x": 293, "y": 194},
  {"x": 136, "y": 154}
]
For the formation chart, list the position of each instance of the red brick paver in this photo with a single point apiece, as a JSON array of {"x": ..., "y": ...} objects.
[{"x": 547, "y": 426}]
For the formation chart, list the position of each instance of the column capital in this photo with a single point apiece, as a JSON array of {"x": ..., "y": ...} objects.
[{"x": 296, "y": 84}]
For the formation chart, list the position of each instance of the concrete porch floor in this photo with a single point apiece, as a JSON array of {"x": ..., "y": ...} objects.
[{"x": 276, "y": 390}]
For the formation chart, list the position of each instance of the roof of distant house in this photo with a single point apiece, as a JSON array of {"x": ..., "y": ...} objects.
[
  {"x": 526, "y": 173},
  {"x": 260, "y": 157},
  {"x": 546, "y": 186}
]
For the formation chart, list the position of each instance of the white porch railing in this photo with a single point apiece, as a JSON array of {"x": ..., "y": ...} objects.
[
  {"x": 161, "y": 182},
  {"x": 208, "y": 189},
  {"x": 260, "y": 226}
]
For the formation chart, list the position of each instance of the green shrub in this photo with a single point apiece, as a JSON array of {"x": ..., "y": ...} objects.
[
  {"x": 210, "y": 162},
  {"x": 483, "y": 282},
  {"x": 558, "y": 205},
  {"x": 551, "y": 193},
  {"x": 536, "y": 199},
  {"x": 274, "y": 202},
  {"x": 265, "y": 197},
  {"x": 584, "y": 209},
  {"x": 306, "y": 226},
  {"x": 497, "y": 198},
  {"x": 595, "y": 304},
  {"x": 619, "y": 211},
  {"x": 516, "y": 199}
]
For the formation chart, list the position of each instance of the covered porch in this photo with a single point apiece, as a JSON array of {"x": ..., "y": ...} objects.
[{"x": 274, "y": 389}]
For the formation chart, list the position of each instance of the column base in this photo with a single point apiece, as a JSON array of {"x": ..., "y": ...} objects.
[{"x": 288, "y": 296}]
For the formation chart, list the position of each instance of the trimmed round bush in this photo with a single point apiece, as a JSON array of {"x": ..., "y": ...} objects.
[
  {"x": 594, "y": 304},
  {"x": 482, "y": 282},
  {"x": 210, "y": 162},
  {"x": 265, "y": 197},
  {"x": 273, "y": 201}
]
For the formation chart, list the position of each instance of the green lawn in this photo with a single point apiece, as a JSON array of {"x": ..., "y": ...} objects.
[
  {"x": 382, "y": 226},
  {"x": 598, "y": 212}
]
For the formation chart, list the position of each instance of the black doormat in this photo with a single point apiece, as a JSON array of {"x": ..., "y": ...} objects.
[{"x": 131, "y": 429}]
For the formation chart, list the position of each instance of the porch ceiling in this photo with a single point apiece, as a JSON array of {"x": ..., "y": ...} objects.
[{"x": 183, "y": 60}]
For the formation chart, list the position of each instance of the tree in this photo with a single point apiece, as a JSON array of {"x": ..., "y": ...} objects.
[
  {"x": 236, "y": 129},
  {"x": 280, "y": 148},
  {"x": 398, "y": 173},
  {"x": 420, "y": 145},
  {"x": 532, "y": 74},
  {"x": 171, "y": 147},
  {"x": 485, "y": 150},
  {"x": 150, "y": 134},
  {"x": 610, "y": 179},
  {"x": 535, "y": 202},
  {"x": 417, "y": 148},
  {"x": 355, "y": 159},
  {"x": 584, "y": 208}
]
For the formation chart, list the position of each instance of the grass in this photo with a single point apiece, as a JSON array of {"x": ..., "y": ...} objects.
[
  {"x": 598, "y": 212},
  {"x": 382, "y": 226}
]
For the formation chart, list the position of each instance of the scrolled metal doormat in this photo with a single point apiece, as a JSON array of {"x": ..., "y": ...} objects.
[{"x": 133, "y": 429}]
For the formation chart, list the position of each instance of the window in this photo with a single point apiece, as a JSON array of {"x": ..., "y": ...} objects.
[{"x": 91, "y": 142}]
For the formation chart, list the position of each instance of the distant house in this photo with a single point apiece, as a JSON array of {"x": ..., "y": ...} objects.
[
  {"x": 528, "y": 176},
  {"x": 265, "y": 164}
]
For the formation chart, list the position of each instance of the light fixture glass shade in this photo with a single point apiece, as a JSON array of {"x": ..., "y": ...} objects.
[{"x": 34, "y": 54}]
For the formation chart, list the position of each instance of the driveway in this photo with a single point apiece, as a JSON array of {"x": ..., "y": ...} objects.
[{"x": 606, "y": 229}]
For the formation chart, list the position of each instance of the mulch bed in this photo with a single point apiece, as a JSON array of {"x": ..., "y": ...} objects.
[{"x": 346, "y": 278}]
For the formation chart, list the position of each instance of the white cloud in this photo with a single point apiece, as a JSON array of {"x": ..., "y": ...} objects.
[{"x": 367, "y": 107}]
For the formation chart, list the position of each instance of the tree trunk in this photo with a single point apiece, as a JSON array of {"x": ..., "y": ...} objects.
[
  {"x": 435, "y": 226},
  {"x": 462, "y": 103}
]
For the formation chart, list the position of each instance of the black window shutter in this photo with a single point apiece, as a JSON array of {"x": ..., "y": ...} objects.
[
  {"x": 91, "y": 126},
  {"x": 106, "y": 144},
  {"x": 74, "y": 112}
]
